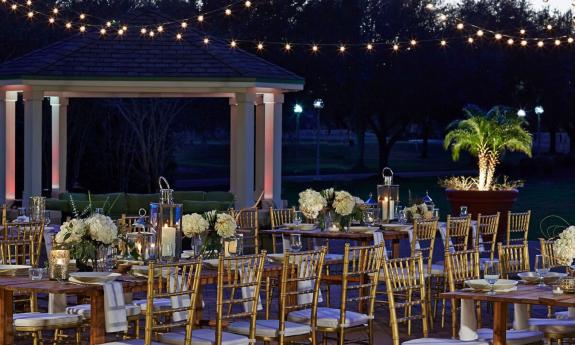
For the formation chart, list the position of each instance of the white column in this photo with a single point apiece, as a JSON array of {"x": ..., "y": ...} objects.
[
  {"x": 32, "y": 144},
  {"x": 242, "y": 150},
  {"x": 260, "y": 145},
  {"x": 233, "y": 121},
  {"x": 8, "y": 146},
  {"x": 59, "y": 107},
  {"x": 273, "y": 148}
]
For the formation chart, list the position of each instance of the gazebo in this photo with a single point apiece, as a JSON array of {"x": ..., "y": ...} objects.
[{"x": 131, "y": 65}]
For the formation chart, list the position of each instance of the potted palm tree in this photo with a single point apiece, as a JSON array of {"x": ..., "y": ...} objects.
[{"x": 487, "y": 136}]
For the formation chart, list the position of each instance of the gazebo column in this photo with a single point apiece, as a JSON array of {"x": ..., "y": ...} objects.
[
  {"x": 260, "y": 145},
  {"x": 59, "y": 107},
  {"x": 8, "y": 145},
  {"x": 32, "y": 144},
  {"x": 242, "y": 149},
  {"x": 273, "y": 148}
]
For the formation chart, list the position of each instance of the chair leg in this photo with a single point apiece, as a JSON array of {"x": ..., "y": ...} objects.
[
  {"x": 78, "y": 335},
  {"x": 324, "y": 338},
  {"x": 313, "y": 338},
  {"x": 408, "y": 312},
  {"x": 268, "y": 297},
  {"x": 341, "y": 336},
  {"x": 370, "y": 330}
]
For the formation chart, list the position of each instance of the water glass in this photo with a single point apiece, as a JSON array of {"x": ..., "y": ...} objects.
[
  {"x": 46, "y": 218},
  {"x": 541, "y": 268},
  {"x": 369, "y": 217},
  {"x": 167, "y": 256},
  {"x": 436, "y": 213},
  {"x": 197, "y": 245},
  {"x": 295, "y": 242},
  {"x": 297, "y": 220},
  {"x": 401, "y": 216},
  {"x": 491, "y": 274},
  {"x": 463, "y": 211},
  {"x": 36, "y": 273},
  {"x": 22, "y": 211}
]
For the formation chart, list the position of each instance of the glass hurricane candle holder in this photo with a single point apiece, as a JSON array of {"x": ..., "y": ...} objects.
[{"x": 59, "y": 261}]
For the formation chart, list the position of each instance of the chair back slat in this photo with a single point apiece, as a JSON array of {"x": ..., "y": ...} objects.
[
  {"x": 548, "y": 253},
  {"x": 19, "y": 251},
  {"x": 423, "y": 240},
  {"x": 486, "y": 233},
  {"x": 457, "y": 233},
  {"x": 405, "y": 284},
  {"x": 513, "y": 259},
  {"x": 25, "y": 230},
  {"x": 517, "y": 227},
  {"x": 180, "y": 283},
  {"x": 281, "y": 216},
  {"x": 128, "y": 223},
  {"x": 248, "y": 226}
]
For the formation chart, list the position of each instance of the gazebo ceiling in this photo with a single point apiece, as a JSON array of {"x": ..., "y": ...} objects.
[{"x": 131, "y": 61}]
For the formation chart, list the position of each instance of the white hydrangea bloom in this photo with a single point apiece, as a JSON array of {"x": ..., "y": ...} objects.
[
  {"x": 75, "y": 227},
  {"x": 311, "y": 203},
  {"x": 343, "y": 203},
  {"x": 225, "y": 225},
  {"x": 194, "y": 224},
  {"x": 564, "y": 246},
  {"x": 102, "y": 229}
]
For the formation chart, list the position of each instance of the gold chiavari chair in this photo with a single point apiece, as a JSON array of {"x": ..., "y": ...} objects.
[
  {"x": 457, "y": 233},
  {"x": 130, "y": 223},
  {"x": 279, "y": 217},
  {"x": 461, "y": 266},
  {"x": 517, "y": 227},
  {"x": 22, "y": 252},
  {"x": 360, "y": 275},
  {"x": 486, "y": 234},
  {"x": 248, "y": 225},
  {"x": 4, "y": 215},
  {"x": 25, "y": 230},
  {"x": 299, "y": 290},
  {"x": 546, "y": 248},
  {"x": 235, "y": 274},
  {"x": 513, "y": 259}
]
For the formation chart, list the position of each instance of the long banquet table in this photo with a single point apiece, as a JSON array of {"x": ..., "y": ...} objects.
[{"x": 525, "y": 294}]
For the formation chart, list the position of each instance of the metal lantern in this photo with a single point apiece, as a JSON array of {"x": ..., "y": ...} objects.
[
  {"x": 165, "y": 218},
  {"x": 387, "y": 196},
  {"x": 37, "y": 207},
  {"x": 144, "y": 243}
]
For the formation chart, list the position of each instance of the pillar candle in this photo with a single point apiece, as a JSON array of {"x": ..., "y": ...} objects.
[{"x": 168, "y": 239}]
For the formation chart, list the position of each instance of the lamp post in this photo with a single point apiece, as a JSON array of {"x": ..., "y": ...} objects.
[
  {"x": 297, "y": 109},
  {"x": 318, "y": 105}
]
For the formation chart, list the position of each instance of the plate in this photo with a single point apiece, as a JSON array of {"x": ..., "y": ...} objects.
[
  {"x": 213, "y": 263},
  {"x": 533, "y": 278},
  {"x": 483, "y": 285},
  {"x": 365, "y": 229},
  {"x": 303, "y": 227},
  {"x": 12, "y": 270},
  {"x": 94, "y": 277}
]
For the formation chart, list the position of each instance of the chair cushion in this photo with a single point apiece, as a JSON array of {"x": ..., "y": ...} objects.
[
  {"x": 159, "y": 303},
  {"x": 131, "y": 342},
  {"x": 556, "y": 326},
  {"x": 438, "y": 341},
  {"x": 514, "y": 337},
  {"x": 85, "y": 310},
  {"x": 328, "y": 317},
  {"x": 563, "y": 315},
  {"x": 269, "y": 328},
  {"x": 204, "y": 337},
  {"x": 437, "y": 269},
  {"x": 46, "y": 320}
]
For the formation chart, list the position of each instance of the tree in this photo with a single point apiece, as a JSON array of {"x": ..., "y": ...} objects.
[{"x": 487, "y": 135}]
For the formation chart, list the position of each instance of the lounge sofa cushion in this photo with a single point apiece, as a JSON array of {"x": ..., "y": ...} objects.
[
  {"x": 58, "y": 205},
  {"x": 180, "y": 196},
  {"x": 203, "y": 206},
  {"x": 115, "y": 203},
  {"x": 137, "y": 201},
  {"x": 220, "y": 196},
  {"x": 75, "y": 196}
]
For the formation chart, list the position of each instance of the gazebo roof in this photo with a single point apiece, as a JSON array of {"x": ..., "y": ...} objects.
[{"x": 131, "y": 57}]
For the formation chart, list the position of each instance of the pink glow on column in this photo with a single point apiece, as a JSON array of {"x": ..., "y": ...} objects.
[
  {"x": 269, "y": 155},
  {"x": 11, "y": 145}
]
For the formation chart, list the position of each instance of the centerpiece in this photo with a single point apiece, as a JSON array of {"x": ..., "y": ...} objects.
[
  {"x": 486, "y": 135},
  {"x": 209, "y": 231},
  {"x": 333, "y": 209}
]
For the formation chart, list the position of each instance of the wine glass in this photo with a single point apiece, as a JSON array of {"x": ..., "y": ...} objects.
[
  {"x": 369, "y": 217},
  {"x": 297, "y": 218},
  {"x": 295, "y": 242},
  {"x": 491, "y": 274},
  {"x": 541, "y": 268},
  {"x": 463, "y": 211},
  {"x": 46, "y": 218},
  {"x": 402, "y": 218}
]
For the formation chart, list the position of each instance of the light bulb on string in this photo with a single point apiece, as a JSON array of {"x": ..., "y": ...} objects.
[
  {"x": 51, "y": 20},
  {"x": 260, "y": 46},
  {"x": 510, "y": 41},
  {"x": 68, "y": 25},
  {"x": 557, "y": 42},
  {"x": 430, "y": 6},
  {"x": 82, "y": 16},
  {"x": 206, "y": 40},
  {"x": 460, "y": 26},
  {"x": 14, "y": 7},
  {"x": 233, "y": 44},
  {"x": 498, "y": 36},
  {"x": 522, "y": 31},
  {"x": 55, "y": 10},
  {"x": 82, "y": 28},
  {"x": 396, "y": 47},
  {"x": 200, "y": 18},
  {"x": 30, "y": 15},
  {"x": 178, "y": 36},
  {"x": 480, "y": 33},
  {"x": 470, "y": 40},
  {"x": 108, "y": 24},
  {"x": 102, "y": 31},
  {"x": 160, "y": 29},
  {"x": 248, "y": 4},
  {"x": 228, "y": 12},
  {"x": 287, "y": 47},
  {"x": 342, "y": 49},
  {"x": 442, "y": 17},
  {"x": 443, "y": 43},
  {"x": 549, "y": 27},
  {"x": 523, "y": 43},
  {"x": 570, "y": 40},
  {"x": 152, "y": 34},
  {"x": 314, "y": 48},
  {"x": 143, "y": 31},
  {"x": 120, "y": 32},
  {"x": 369, "y": 46},
  {"x": 413, "y": 42},
  {"x": 29, "y": 2},
  {"x": 184, "y": 25},
  {"x": 124, "y": 27},
  {"x": 540, "y": 44}
]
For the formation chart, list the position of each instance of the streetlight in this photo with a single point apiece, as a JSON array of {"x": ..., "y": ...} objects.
[
  {"x": 539, "y": 111},
  {"x": 297, "y": 109},
  {"x": 521, "y": 113},
  {"x": 318, "y": 105}
]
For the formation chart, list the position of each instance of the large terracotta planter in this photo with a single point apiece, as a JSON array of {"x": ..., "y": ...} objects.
[{"x": 484, "y": 202}]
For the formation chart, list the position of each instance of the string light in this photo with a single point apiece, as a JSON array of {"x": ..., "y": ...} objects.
[
  {"x": 200, "y": 18},
  {"x": 523, "y": 43},
  {"x": 124, "y": 27},
  {"x": 55, "y": 10},
  {"x": 120, "y": 32},
  {"x": 413, "y": 42},
  {"x": 143, "y": 31},
  {"x": 14, "y": 7},
  {"x": 287, "y": 47},
  {"x": 549, "y": 27},
  {"x": 228, "y": 12},
  {"x": 68, "y": 25},
  {"x": 152, "y": 34},
  {"x": 206, "y": 40},
  {"x": 29, "y": 2},
  {"x": 460, "y": 26},
  {"x": 108, "y": 24},
  {"x": 396, "y": 47},
  {"x": 470, "y": 40},
  {"x": 498, "y": 36},
  {"x": 557, "y": 42},
  {"x": 51, "y": 20},
  {"x": 540, "y": 44},
  {"x": 369, "y": 46},
  {"x": 178, "y": 36},
  {"x": 522, "y": 31},
  {"x": 102, "y": 31},
  {"x": 30, "y": 14},
  {"x": 82, "y": 16},
  {"x": 184, "y": 25},
  {"x": 510, "y": 41},
  {"x": 442, "y": 17},
  {"x": 160, "y": 29},
  {"x": 430, "y": 6},
  {"x": 314, "y": 48},
  {"x": 443, "y": 43},
  {"x": 233, "y": 44},
  {"x": 82, "y": 28},
  {"x": 260, "y": 46},
  {"x": 248, "y": 4},
  {"x": 480, "y": 33},
  {"x": 570, "y": 40},
  {"x": 342, "y": 49}
]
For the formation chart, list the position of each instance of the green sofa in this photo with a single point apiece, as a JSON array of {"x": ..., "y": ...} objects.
[{"x": 130, "y": 204}]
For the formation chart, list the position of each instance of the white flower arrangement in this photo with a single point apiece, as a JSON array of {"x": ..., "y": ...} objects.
[
  {"x": 225, "y": 225},
  {"x": 311, "y": 203},
  {"x": 417, "y": 212},
  {"x": 71, "y": 232},
  {"x": 564, "y": 246},
  {"x": 343, "y": 203},
  {"x": 194, "y": 224},
  {"x": 102, "y": 229}
]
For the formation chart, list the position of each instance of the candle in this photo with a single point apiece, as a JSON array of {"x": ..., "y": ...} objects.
[
  {"x": 60, "y": 261},
  {"x": 168, "y": 240},
  {"x": 387, "y": 209}
]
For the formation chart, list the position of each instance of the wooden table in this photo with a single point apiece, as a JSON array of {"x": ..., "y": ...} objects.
[
  {"x": 525, "y": 294},
  {"x": 362, "y": 238}
]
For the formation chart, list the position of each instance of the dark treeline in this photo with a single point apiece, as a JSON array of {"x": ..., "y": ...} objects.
[{"x": 382, "y": 91}]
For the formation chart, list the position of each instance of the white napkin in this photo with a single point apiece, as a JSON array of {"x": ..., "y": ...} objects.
[
  {"x": 378, "y": 239},
  {"x": 468, "y": 327},
  {"x": 569, "y": 315},
  {"x": 520, "y": 316},
  {"x": 180, "y": 301},
  {"x": 443, "y": 232},
  {"x": 305, "y": 284},
  {"x": 57, "y": 303},
  {"x": 115, "y": 307},
  {"x": 248, "y": 291},
  {"x": 22, "y": 219},
  {"x": 410, "y": 236}
]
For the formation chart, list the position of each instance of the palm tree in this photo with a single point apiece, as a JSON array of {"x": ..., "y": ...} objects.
[{"x": 487, "y": 135}]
